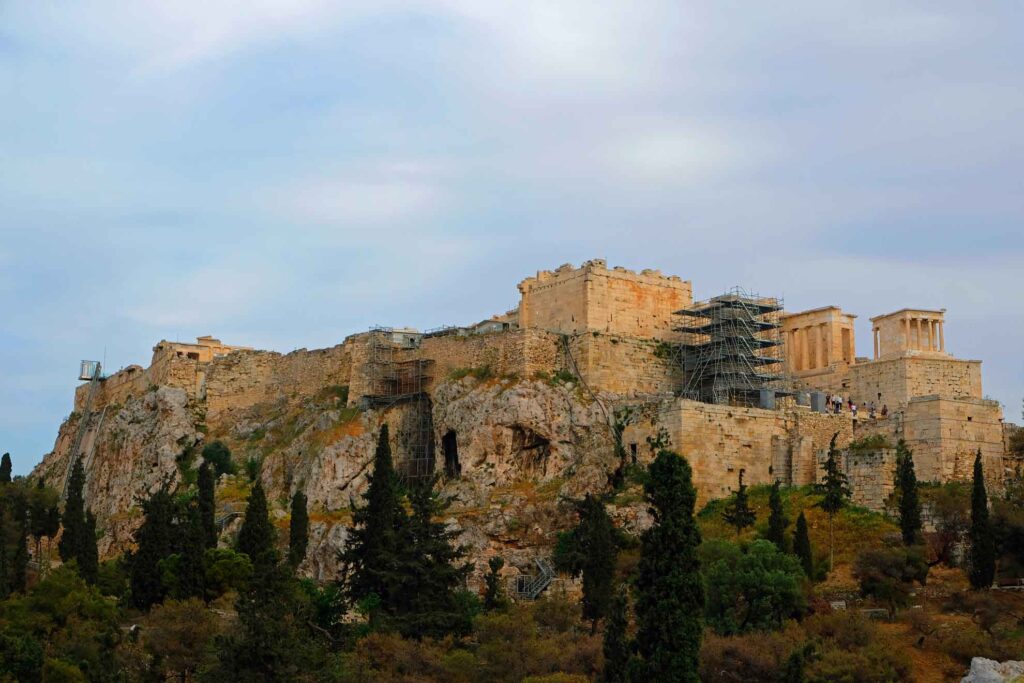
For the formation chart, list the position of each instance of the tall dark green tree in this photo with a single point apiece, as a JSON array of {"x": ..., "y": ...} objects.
[
  {"x": 591, "y": 549},
  {"x": 154, "y": 541},
  {"x": 376, "y": 537},
  {"x": 88, "y": 554},
  {"x": 427, "y": 603},
  {"x": 906, "y": 490},
  {"x": 802, "y": 546},
  {"x": 494, "y": 593},
  {"x": 617, "y": 647},
  {"x": 737, "y": 513},
  {"x": 836, "y": 489},
  {"x": 72, "y": 540},
  {"x": 256, "y": 537},
  {"x": 5, "y": 468},
  {"x": 5, "y": 560},
  {"x": 777, "y": 520},
  {"x": 298, "y": 530},
  {"x": 19, "y": 558},
  {"x": 669, "y": 592},
  {"x": 208, "y": 505},
  {"x": 983, "y": 546},
  {"x": 184, "y": 573}
]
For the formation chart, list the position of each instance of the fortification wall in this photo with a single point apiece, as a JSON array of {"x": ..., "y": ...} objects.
[
  {"x": 945, "y": 435},
  {"x": 718, "y": 441},
  {"x": 871, "y": 473},
  {"x": 625, "y": 365},
  {"x": 899, "y": 380}
]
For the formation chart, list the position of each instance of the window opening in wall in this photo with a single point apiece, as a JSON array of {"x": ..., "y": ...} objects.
[
  {"x": 450, "y": 448},
  {"x": 193, "y": 355}
]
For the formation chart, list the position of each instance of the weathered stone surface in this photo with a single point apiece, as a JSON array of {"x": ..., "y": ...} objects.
[{"x": 990, "y": 671}]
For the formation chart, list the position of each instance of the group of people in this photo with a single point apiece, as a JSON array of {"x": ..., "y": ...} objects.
[{"x": 834, "y": 402}]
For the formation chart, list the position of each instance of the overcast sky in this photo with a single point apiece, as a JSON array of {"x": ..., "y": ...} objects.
[{"x": 282, "y": 174}]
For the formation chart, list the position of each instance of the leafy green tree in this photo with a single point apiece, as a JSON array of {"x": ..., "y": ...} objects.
[
  {"x": 618, "y": 650},
  {"x": 737, "y": 513},
  {"x": 887, "y": 574},
  {"x": 906, "y": 490},
  {"x": 226, "y": 570},
  {"x": 298, "y": 530},
  {"x": 256, "y": 537},
  {"x": 802, "y": 546},
  {"x": 377, "y": 535},
  {"x": 494, "y": 593},
  {"x": 21, "y": 656},
  {"x": 179, "y": 637},
  {"x": 88, "y": 554},
  {"x": 154, "y": 541},
  {"x": 777, "y": 520},
  {"x": 591, "y": 549},
  {"x": 669, "y": 593},
  {"x": 73, "y": 522},
  {"x": 752, "y": 589},
  {"x": 219, "y": 456},
  {"x": 208, "y": 504},
  {"x": 836, "y": 490},
  {"x": 429, "y": 602},
  {"x": 983, "y": 550},
  {"x": 5, "y": 469}
]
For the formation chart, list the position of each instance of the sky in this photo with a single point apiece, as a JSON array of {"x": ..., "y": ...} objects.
[{"x": 283, "y": 174}]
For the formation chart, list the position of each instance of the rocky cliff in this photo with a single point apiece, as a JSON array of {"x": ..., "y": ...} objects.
[{"x": 515, "y": 451}]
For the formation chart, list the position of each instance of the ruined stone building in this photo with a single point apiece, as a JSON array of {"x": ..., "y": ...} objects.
[{"x": 620, "y": 334}]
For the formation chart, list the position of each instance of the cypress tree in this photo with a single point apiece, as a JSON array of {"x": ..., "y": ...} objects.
[
  {"x": 802, "y": 546},
  {"x": 88, "y": 554},
  {"x": 154, "y": 541},
  {"x": 616, "y": 646},
  {"x": 5, "y": 469},
  {"x": 426, "y": 603},
  {"x": 983, "y": 547},
  {"x": 836, "y": 488},
  {"x": 906, "y": 488},
  {"x": 494, "y": 594},
  {"x": 5, "y": 562},
  {"x": 256, "y": 537},
  {"x": 375, "y": 539},
  {"x": 670, "y": 595},
  {"x": 777, "y": 520},
  {"x": 298, "y": 530},
  {"x": 596, "y": 543},
  {"x": 737, "y": 512},
  {"x": 208, "y": 505},
  {"x": 191, "y": 571},
  {"x": 72, "y": 540}
]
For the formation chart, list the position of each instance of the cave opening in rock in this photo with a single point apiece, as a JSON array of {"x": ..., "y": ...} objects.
[
  {"x": 450, "y": 448},
  {"x": 530, "y": 450}
]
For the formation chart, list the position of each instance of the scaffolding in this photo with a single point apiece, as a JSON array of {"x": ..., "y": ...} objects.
[
  {"x": 732, "y": 351},
  {"x": 393, "y": 379}
]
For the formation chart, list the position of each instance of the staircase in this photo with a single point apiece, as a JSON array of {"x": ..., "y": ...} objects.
[{"x": 530, "y": 587}]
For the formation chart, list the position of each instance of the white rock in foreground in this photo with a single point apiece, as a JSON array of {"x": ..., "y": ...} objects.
[{"x": 990, "y": 671}]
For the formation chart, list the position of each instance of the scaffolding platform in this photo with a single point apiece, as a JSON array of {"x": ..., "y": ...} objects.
[{"x": 732, "y": 352}]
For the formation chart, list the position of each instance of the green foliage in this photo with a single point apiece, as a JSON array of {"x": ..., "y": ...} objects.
[
  {"x": 256, "y": 537},
  {"x": 617, "y": 648},
  {"x": 298, "y": 530},
  {"x": 737, "y": 513},
  {"x": 983, "y": 550},
  {"x": 906, "y": 491},
  {"x": 802, "y": 546},
  {"x": 5, "y": 468},
  {"x": 154, "y": 540},
  {"x": 252, "y": 468},
  {"x": 112, "y": 579},
  {"x": 755, "y": 588},
  {"x": 777, "y": 520},
  {"x": 88, "y": 556},
  {"x": 494, "y": 592},
  {"x": 836, "y": 490},
  {"x": 226, "y": 570},
  {"x": 78, "y": 541},
  {"x": 219, "y": 456},
  {"x": 886, "y": 574},
  {"x": 183, "y": 574},
  {"x": 179, "y": 635},
  {"x": 207, "y": 504},
  {"x": 370, "y": 558},
  {"x": 669, "y": 593},
  {"x": 481, "y": 373},
  {"x": 591, "y": 549},
  {"x": 872, "y": 442}
]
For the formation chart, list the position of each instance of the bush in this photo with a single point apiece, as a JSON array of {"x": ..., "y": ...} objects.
[
  {"x": 753, "y": 589},
  {"x": 887, "y": 574},
  {"x": 219, "y": 456},
  {"x": 750, "y": 657},
  {"x": 877, "y": 663}
]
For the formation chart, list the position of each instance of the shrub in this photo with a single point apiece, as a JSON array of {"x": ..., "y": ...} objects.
[
  {"x": 219, "y": 456},
  {"x": 749, "y": 657},
  {"x": 877, "y": 663},
  {"x": 887, "y": 574}
]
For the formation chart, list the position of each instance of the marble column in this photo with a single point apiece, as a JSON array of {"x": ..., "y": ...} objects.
[
  {"x": 874, "y": 334},
  {"x": 942, "y": 336}
]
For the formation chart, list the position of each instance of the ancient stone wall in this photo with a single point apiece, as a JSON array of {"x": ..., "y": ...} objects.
[
  {"x": 595, "y": 298},
  {"x": 718, "y": 441},
  {"x": 945, "y": 434},
  {"x": 899, "y": 380},
  {"x": 871, "y": 473},
  {"x": 625, "y": 365}
]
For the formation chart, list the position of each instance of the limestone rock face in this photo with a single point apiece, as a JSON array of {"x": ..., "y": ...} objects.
[
  {"x": 990, "y": 671},
  {"x": 134, "y": 450}
]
